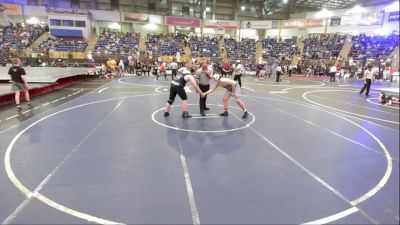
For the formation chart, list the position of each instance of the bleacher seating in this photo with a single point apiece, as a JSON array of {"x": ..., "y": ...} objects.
[
  {"x": 208, "y": 47},
  {"x": 367, "y": 47},
  {"x": 323, "y": 47},
  {"x": 117, "y": 43},
  {"x": 63, "y": 44},
  {"x": 243, "y": 50},
  {"x": 275, "y": 49},
  {"x": 162, "y": 45},
  {"x": 18, "y": 36}
]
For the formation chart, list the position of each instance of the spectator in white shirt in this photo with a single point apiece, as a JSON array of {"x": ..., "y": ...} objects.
[
  {"x": 332, "y": 73},
  {"x": 278, "y": 71},
  {"x": 290, "y": 70}
]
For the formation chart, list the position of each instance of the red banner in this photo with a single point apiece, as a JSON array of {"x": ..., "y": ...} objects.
[
  {"x": 181, "y": 21},
  {"x": 302, "y": 23}
]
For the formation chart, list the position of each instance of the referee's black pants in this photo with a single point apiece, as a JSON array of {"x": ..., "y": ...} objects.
[
  {"x": 278, "y": 76},
  {"x": 238, "y": 77},
  {"x": 367, "y": 85},
  {"x": 332, "y": 76},
  {"x": 174, "y": 73},
  {"x": 202, "y": 103}
]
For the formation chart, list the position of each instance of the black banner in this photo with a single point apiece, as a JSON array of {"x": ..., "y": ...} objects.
[{"x": 335, "y": 21}]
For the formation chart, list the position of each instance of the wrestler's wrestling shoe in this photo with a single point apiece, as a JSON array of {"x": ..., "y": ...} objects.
[
  {"x": 245, "y": 114},
  {"x": 186, "y": 115},
  {"x": 224, "y": 114}
]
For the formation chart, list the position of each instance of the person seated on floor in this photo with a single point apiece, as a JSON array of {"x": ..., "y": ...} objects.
[
  {"x": 386, "y": 99},
  {"x": 111, "y": 67},
  {"x": 138, "y": 68},
  {"x": 346, "y": 75}
]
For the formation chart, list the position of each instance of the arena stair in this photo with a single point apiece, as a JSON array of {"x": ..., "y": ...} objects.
[
  {"x": 258, "y": 50},
  {"x": 187, "y": 50},
  {"x": 344, "y": 53},
  {"x": 91, "y": 44},
  {"x": 300, "y": 50},
  {"x": 300, "y": 45},
  {"x": 142, "y": 44},
  {"x": 222, "y": 53},
  {"x": 394, "y": 56},
  {"x": 37, "y": 42}
]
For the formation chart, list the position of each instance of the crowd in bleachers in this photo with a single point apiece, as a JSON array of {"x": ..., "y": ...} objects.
[
  {"x": 243, "y": 50},
  {"x": 117, "y": 43},
  {"x": 17, "y": 36},
  {"x": 273, "y": 48},
  {"x": 323, "y": 46},
  {"x": 319, "y": 54},
  {"x": 368, "y": 47},
  {"x": 63, "y": 44},
  {"x": 169, "y": 44},
  {"x": 206, "y": 47}
]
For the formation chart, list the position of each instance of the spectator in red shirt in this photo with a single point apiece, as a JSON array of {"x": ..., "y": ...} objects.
[{"x": 162, "y": 70}]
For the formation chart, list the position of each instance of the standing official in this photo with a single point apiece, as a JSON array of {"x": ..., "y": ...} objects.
[
  {"x": 174, "y": 67},
  {"x": 278, "y": 71},
  {"x": 332, "y": 73},
  {"x": 368, "y": 76},
  {"x": 239, "y": 70},
  {"x": 203, "y": 78}
]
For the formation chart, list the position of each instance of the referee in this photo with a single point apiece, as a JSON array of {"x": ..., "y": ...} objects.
[
  {"x": 203, "y": 78},
  {"x": 368, "y": 80},
  {"x": 174, "y": 68}
]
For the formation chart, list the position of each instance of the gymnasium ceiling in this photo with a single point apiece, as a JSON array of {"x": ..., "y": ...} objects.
[{"x": 217, "y": 9}]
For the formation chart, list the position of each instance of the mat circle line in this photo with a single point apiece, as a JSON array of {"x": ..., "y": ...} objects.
[
  {"x": 376, "y": 103},
  {"x": 368, "y": 194},
  {"x": 202, "y": 131},
  {"x": 120, "y": 80},
  {"x": 75, "y": 213},
  {"x": 343, "y": 111}
]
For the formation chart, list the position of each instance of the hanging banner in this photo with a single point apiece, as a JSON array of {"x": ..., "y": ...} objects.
[
  {"x": 302, "y": 23},
  {"x": 141, "y": 18},
  {"x": 335, "y": 21},
  {"x": 135, "y": 17},
  {"x": 364, "y": 19},
  {"x": 258, "y": 24},
  {"x": 10, "y": 9},
  {"x": 113, "y": 16},
  {"x": 32, "y": 10},
  {"x": 221, "y": 24},
  {"x": 182, "y": 21},
  {"x": 154, "y": 19},
  {"x": 393, "y": 16}
]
